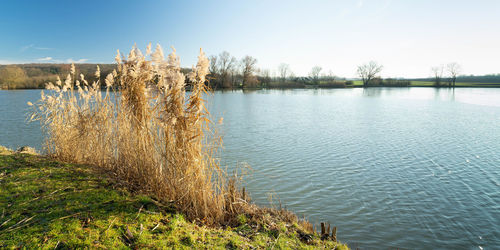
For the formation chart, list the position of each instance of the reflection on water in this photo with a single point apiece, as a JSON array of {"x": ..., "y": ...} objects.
[
  {"x": 477, "y": 96},
  {"x": 391, "y": 167}
]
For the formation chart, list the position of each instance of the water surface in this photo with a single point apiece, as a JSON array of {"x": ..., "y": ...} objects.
[{"x": 390, "y": 167}]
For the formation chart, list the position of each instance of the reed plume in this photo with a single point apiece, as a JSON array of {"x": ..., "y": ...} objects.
[{"x": 142, "y": 126}]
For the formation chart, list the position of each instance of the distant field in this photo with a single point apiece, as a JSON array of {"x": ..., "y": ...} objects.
[
  {"x": 458, "y": 84},
  {"x": 358, "y": 83},
  {"x": 431, "y": 84}
]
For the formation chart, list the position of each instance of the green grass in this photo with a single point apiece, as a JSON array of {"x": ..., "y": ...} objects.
[
  {"x": 49, "y": 204},
  {"x": 457, "y": 84},
  {"x": 421, "y": 84},
  {"x": 357, "y": 83},
  {"x": 431, "y": 84}
]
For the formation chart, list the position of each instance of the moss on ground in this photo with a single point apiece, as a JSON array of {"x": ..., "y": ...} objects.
[{"x": 49, "y": 204}]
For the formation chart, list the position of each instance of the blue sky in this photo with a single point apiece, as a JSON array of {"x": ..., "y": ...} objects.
[{"x": 407, "y": 37}]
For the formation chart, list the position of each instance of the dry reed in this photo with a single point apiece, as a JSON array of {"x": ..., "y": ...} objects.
[{"x": 146, "y": 130}]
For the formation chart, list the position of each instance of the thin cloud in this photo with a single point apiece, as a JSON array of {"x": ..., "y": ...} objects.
[
  {"x": 24, "y": 48},
  {"x": 43, "y": 48},
  {"x": 6, "y": 62},
  {"x": 32, "y": 46},
  {"x": 44, "y": 59},
  {"x": 70, "y": 60}
]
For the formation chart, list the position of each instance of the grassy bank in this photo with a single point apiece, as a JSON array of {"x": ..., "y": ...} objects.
[
  {"x": 458, "y": 84},
  {"x": 359, "y": 84},
  {"x": 50, "y": 204},
  {"x": 431, "y": 84}
]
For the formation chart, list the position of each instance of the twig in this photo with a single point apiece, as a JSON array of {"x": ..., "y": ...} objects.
[
  {"x": 43, "y": 196},
  {"x": 276, "y": 241},
  {"x": 62, "y": 218},
  {"x": 139, "y": 211},
  {"x": 129, "y": 234},
  {"x": 19, "y": 222},
  {"x": 29, "y": 218},
  {"x": 13, "y": 227},
  {"x": 55, "y": 191},
  {"x": 142, "y": 228},
  {"x": 26, "y": 202},
  {"x": 5, "y": 222},
  {"x": 156, "y": 226},
  {"x": 106, "y": 231}
]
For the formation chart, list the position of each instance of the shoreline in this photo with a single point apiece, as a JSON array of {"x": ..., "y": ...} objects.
[
  {"x": 47, "y": 203},
  {"x": 311, "y": 87}
]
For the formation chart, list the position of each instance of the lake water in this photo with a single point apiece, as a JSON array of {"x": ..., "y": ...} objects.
[{"x": 390, "y": 167}]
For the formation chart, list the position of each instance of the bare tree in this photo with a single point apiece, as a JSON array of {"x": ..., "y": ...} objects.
[
  {"x": 315, "y": 73},
  {"x": 284, "y": 71},
  {"x": 453, "y": 70},
  {"x": 226, "y": 64},
  {"x": 437, "y": 72},
  {"x": 248, "y": 68},
  {"x": 331, "y": 76},
  {"x": 214, "y": 71},
  {"x": 368, "y": 72},
  {"x": 214, "y": 67},
  {"x": 265, "y": 77}
]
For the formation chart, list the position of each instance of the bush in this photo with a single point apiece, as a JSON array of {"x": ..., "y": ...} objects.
[
  {"x": 332, "y": 84},
  {"x": 389, "y": 82},
  {"x": 377, "y": 81}
]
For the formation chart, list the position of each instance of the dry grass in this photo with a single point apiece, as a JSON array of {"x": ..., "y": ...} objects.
[{"x": 145, "y": 130}]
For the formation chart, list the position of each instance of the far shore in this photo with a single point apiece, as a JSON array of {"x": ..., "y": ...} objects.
[{"x": 338, "y": 85}]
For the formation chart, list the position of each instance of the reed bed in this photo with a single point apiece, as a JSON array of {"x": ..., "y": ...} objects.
[{"x": 140, "y": 125}]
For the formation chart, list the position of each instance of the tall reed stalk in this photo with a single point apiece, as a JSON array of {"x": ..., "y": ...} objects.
[{"x": 146, "y": 130}]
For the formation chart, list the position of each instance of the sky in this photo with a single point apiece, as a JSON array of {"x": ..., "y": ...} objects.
[{"x": 407, "y": 37}]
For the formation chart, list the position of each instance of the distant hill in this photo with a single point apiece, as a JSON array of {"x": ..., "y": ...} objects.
[
  {"x": 36, "y": 75},
  {"x": 30, "y": 76}
]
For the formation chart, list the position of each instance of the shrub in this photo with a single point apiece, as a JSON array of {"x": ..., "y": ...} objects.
[
  {"x": 332, "y": 84},
  {"x": 390, "y": 82},
  {"x": 377, "y": 81}
]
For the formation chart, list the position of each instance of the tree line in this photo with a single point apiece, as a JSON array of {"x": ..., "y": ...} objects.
[
  {"x": 443, "y": 76},
  {"x": 228, "y": 72}
]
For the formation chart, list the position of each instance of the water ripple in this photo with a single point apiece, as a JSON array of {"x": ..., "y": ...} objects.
[{"x": 391, "y": 168}]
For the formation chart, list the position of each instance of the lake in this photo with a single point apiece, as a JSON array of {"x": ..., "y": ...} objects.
[{"x": 390, "y": 167}]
